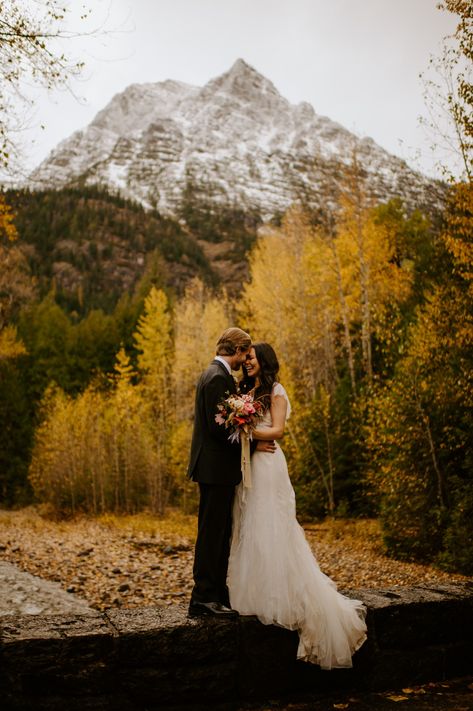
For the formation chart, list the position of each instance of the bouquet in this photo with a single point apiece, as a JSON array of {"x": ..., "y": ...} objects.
[{"x": 239, "y": 414}]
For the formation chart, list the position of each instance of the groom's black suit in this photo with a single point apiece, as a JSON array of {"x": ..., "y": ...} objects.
[{"x": 215, "y": 464}]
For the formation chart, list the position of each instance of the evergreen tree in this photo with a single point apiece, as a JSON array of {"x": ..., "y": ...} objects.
[{"x": 16, "y": 432}]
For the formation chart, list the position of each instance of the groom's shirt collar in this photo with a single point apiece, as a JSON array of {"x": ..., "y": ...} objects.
[{"x": 222, "y": 360}]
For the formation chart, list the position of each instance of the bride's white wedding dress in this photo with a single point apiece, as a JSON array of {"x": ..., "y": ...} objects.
[{"x": 273, "y": 573}]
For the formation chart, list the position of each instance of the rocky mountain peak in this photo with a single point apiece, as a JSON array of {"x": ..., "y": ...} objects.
[
  {"x": 244, "y": 82},
  {"x": 141, "y": 104},
  {"x": 236, "y": 141}
]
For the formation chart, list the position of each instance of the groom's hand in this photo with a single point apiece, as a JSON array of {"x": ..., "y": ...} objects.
[{"x": 266, "y": 446}]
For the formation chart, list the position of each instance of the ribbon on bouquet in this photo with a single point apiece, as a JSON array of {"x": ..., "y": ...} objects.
[{"x": 245, "y": 460}]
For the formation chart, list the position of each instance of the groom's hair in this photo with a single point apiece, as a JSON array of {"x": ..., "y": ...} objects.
[{"x": 231, "y": 340}]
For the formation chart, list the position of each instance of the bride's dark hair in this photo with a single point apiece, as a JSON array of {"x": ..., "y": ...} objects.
[{"x": 269, "y": 368}]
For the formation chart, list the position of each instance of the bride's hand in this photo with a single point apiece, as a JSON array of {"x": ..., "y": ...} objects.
[{"x": 266, "y": 446}]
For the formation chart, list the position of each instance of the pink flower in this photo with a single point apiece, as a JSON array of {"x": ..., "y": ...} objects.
[{"x": 239, "y": 413}]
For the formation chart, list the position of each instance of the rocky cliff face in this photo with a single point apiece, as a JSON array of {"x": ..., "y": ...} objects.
[{"x": 234, "y": 142}]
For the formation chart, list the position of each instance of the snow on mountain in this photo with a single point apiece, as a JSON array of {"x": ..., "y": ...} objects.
[{"x": 236, "y": 141}]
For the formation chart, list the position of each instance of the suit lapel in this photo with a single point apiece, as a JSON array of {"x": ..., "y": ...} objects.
[{"x": 230, "y": 379}]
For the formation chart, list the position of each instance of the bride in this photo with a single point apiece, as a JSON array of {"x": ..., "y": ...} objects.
[{"x": 272, "y": 571}]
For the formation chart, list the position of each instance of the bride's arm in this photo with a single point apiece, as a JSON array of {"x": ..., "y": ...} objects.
[{"x": 278, "y": 418}]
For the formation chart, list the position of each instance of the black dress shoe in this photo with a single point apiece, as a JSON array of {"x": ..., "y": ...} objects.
[{"x": 216, "y": 609}]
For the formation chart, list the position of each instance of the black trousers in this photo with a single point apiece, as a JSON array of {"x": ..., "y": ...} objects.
[{"x": 212, "y": 547}]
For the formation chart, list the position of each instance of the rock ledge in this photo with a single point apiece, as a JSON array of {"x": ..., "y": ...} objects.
[{"x": 157, "y": 658}]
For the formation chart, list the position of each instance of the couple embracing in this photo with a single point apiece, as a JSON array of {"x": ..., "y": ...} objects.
[{"x": 251, "y": 554}]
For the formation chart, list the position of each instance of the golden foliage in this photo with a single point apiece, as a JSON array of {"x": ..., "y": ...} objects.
[
  {"x": 97, "y": 452},
  {"x": 7, "y": 225},
  {"x": 153, "y": 340},
  {"x": 320, "y": 297},
  {"x": 309, "y": 290},
  {"x": 199, "y": 319},
  {"x": 153, "y": 336},
  {"x": 418, "y": 428},
  {"x": 10, "y": 345},
  {"x": 458, "y": 234},
  {"x": 172, "y": 527},
  {"x": 127, "y": 448}
]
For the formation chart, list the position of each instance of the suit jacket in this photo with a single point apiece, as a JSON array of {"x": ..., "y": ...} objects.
[{"x": 213, "y": 459}]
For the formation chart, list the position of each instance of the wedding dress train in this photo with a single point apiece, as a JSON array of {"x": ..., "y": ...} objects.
[{"x": 273, "y": 573}]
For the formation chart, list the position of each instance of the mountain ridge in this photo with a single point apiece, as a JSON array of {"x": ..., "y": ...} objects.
[
  {"x": 91, "y": 246},
  {"x": 236, "y": 141}
]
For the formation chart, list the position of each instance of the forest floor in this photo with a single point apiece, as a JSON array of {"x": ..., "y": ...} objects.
[
  {"x": 447, "y": 695},
  {"x": 130, "y": 561}
]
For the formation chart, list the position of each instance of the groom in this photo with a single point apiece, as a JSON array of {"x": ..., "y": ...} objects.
[{"x": 215, "y": 463}]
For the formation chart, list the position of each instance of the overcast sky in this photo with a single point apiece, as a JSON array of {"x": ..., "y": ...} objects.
[{"x": 356, "y": 61}]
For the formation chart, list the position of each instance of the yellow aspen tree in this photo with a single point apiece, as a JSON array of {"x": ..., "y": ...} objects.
[
  {"x": 49, "y": 472},
  {"x": 10, "y": 345},
  {"x": 283, "y": 300},
  {"x": 200, "y": 316},
  {"x": 314, "y": 338},
  {"x": 458, "y": 233},
  {"x": 291, "y": 302},
  {"x": 373, "y": 283},
  {"x": 153, "y": 339},
  {"x": 199, "y": 319},
  {"x": 335, "y": 264},
  {"x": 138, "y": 461},
  {"x": 119, "y": 418},
  {"x": 88, "y": 430},
  {"x": 7, "y": 224},
  {"x": 319, "y": 296},
  {"x": 64, "y": 452},
  {"x": 355, "y": 206},
  {"x": 321, "y": 293},
  {"x": 285, "y": 304},
  {"x": 96, "y": 452}
]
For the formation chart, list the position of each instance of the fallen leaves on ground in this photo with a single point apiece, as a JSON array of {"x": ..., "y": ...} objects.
[
  {"x": 351, "y": 552},
  {"x": 132, "y": 561},
  {"x": 455, "y": 695}
]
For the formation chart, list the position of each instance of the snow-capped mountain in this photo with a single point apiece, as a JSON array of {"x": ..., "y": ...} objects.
[{"x": 236, "y": 141}]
